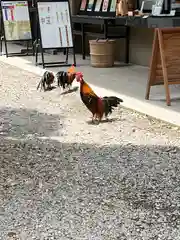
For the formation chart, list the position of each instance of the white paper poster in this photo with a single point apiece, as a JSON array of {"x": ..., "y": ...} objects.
[
  {"x": 16, "y": 20},
  {"x": 98, "y": 5},
  {"x": 55, "y": 24}
]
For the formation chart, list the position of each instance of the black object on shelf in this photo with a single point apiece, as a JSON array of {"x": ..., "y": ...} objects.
[{"x": 166, "y": 9}]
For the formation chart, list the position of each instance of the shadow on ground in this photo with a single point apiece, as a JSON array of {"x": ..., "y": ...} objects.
[
  {"x": 75, "y": 89},
  {"x": 56, "y": 190},
  {"x": 23, "y": 123}
]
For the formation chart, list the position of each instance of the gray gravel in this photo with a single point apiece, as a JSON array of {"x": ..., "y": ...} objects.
[{"x": 62, "y": 178}]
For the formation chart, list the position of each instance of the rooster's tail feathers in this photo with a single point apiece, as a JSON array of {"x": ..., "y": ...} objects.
[
  {"x": 113, "y": 101},
  {"x": 59, "y": 77},
  {"x": 110, "y": 103},
  {"x": 62, "y": 78}
]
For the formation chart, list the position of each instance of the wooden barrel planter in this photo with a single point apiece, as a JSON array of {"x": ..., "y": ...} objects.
[{"x": 102, "y": 53}]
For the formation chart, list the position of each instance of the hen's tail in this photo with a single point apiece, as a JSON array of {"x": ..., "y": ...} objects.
[
  {"x": 40, "y": 84},
  {"x": 62, "y": 78},
  {"x": 59, "y": 77},
  {"x": 110, "y": 103}
]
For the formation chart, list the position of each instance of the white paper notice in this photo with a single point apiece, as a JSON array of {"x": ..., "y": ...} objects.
[{"x": 55, "y": 24}]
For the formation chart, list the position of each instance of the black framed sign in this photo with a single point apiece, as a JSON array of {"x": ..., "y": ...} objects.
[
  {"x": 98, "y": 5},
  {"x": 16, "y": 23},
  {"x": 55, "y": 28},
  {"x": 113, "y": 6},
  {"x": 83, "y": 6},
  {"x": 105, "y": 5},
  {"x": 90, "y": 6}
]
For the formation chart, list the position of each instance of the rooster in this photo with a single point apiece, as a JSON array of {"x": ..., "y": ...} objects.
[
  {"x": 99, "y": 107},
  {"x": 65, "y": 79},
  {"x": 46, "y": 81}
]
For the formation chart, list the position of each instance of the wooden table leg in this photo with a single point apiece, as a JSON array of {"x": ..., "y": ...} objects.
[
  {"x": 127, "y": 45},
  {"x": 83, "y": 42},
  {"x": 105, "y": 29}
]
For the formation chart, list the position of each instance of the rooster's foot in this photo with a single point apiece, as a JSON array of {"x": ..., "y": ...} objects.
[
  {"x": 93, "y": 118},
  {"x": 94, "y": 121},
  {"x": 97, "y": 121}
]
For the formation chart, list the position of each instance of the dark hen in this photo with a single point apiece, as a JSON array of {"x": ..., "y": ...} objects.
[
  {"x": 62, "y": 79},
  {"x": 65, "y": 79},
  {"x": 46, "y": 80}
]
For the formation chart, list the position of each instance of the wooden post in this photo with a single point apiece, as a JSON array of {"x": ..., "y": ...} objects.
[
  {"x": 153, "y": 64},
  {"x": 165, "y": 60},
  {"x": 164, "y": 66}
]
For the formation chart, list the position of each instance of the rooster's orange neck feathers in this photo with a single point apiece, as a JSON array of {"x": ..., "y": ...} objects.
[{"x": 86, "y": 89}]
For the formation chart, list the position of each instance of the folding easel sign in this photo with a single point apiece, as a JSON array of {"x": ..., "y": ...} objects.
[
  {"x": 165, "y": 60},
  {"x": 55, "y": 30},
  {"x": 15, "y": 23}
]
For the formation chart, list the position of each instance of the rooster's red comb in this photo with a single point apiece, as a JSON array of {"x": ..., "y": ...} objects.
[{"x": 79, "y": 73}]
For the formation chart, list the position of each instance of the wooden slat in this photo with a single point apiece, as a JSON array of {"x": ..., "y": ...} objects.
[
  {"x": 170, "y": 75},
  {"x": 153, "y": 64},
  {"x": 161, "y": 82},
  {"x": 165, "y": 60},
  {"x": 170, "y": 30}
]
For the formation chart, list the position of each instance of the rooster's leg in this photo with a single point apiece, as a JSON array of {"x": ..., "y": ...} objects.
[
  {"x": 69, "y": 87},
  {"x": 97, "y": 119},
  {"x": 93, "y": 118},
  {"x": 107, "y": 119}
]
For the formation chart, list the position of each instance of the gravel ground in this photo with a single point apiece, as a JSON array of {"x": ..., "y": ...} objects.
[{"x": 116, "y": 181}]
